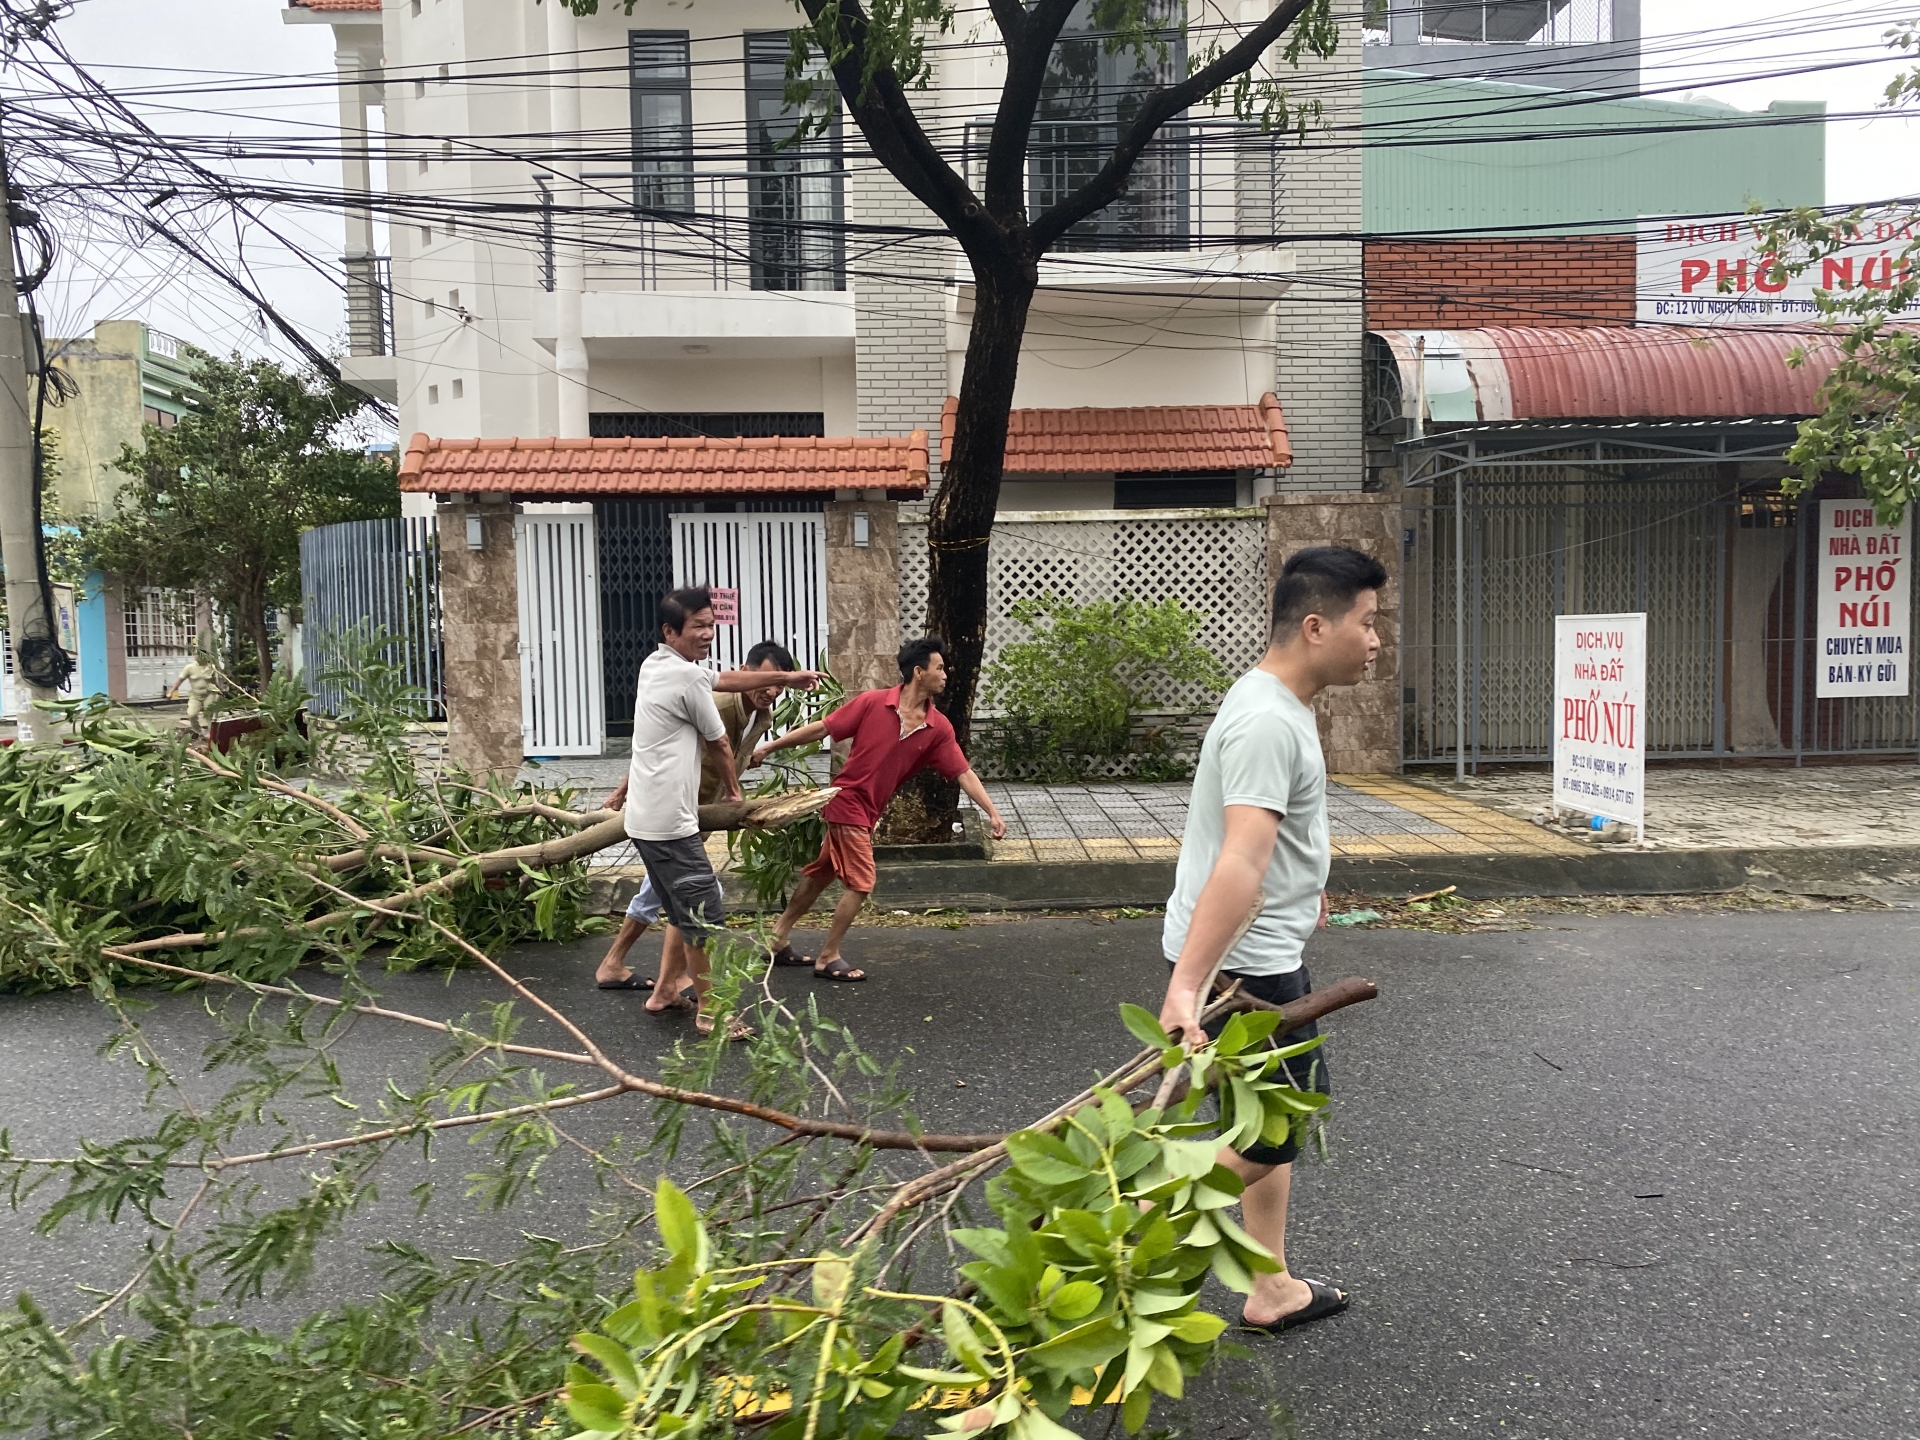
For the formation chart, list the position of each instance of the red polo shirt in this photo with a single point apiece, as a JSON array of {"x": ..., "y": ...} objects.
[{"x": 882, "y": 759}]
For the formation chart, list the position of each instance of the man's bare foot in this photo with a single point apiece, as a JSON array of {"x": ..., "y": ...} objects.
[
  {"x": 682, "y": 1001},
  {"x": 1274, "y": 1296}
]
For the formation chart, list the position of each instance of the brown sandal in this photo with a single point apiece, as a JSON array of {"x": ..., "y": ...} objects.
[
  {"x": 787, "y": 956},
  {"x": 838, "y": 969},
  {"x": 737, "y": 1029}
]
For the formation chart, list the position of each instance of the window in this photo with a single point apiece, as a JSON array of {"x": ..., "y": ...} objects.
[
  {"x": 426, "y": 231},
  {"x": 429, "y": 304},
  {"x": 150, "y": 414},
  {"x": 423, "y": 164},
  {"x": 459, "y": 388},
  {"x": 453, "y": 299},
  {"x": 1499, "y": 22},
  {"x": 1197, "y": 489},
  {"x": 414, "y": 9},
  {"x": 419, "y": 89},
  {"x": 433, "y": 394},
  {"x": 1089, "y": 93},
  {"x": 443, "y": 74},
  {"x": 662, "y": 120},
  {"x": 666, "y": 424},
  {"x": 795, "y": 205}
]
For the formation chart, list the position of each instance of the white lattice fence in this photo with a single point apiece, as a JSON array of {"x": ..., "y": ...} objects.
[{"x": 1214, "y": 562}]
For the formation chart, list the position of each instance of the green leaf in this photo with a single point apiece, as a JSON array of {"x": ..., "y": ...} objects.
[
  {"x": 613, "y": 1359},
  {"x": 830, "y": 1280},
  {"x": 1118, "y": 1114},
  {"x": 1158, "y": 1302},
  {"x": 1083, "y": 1232},
  {"x": 1075, "y": 1300},
  {"x": 962, "y": 1343},
  {"x": 1036, "y": 1425},
  {"x": 1198, "y": 1328},
  {"x": 1145, "y": 1027},
  {"x": 938, "y": 1377},
  {"x": 1134, "y": 1412},
  {"x": 1082, "y": 1348},
  {"x": 597, "y": 1408},
  {"x": 1246, "y": 1030},
  {"x": 679, "y": 1222},
  {"x": 1044, "y": 1158},
  {"x": 987, "y": 1244}
]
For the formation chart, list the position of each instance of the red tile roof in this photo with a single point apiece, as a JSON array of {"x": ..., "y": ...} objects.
[
  {"x": 369, "y": 5},
  {"x": 696, "y": 466},
  {"x": 1099, "y": 440}
]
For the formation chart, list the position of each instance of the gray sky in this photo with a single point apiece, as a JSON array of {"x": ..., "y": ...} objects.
[{"x": 1728, "y": 49}]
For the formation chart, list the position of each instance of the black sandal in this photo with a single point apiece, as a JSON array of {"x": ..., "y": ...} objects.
[
  {"x": 632, "y": 982},
  {"x": 1327, "y": 1300},
  {"x": 786, "y": 955},
  {"x": 838, "y": 969}
]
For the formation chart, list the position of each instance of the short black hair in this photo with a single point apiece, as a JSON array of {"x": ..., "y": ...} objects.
[
  {"x": 770, "y": 650},
  {"x": 918, "y": 654},
  {"x": 678, "y": 606},
  {"x": 1323, "y": 580}
]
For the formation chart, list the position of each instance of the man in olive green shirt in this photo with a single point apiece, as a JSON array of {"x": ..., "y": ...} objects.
[{"x": 746, "y": 717}]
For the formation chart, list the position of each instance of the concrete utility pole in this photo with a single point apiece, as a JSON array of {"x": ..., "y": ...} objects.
[
  {"x": 19, "y": 531},
  {"x": 569, "y": 263}
]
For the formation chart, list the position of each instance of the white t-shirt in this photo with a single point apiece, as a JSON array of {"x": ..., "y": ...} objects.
[
  {"x": 673, "y": 715},
  {"x": 1264, "y": 750}
]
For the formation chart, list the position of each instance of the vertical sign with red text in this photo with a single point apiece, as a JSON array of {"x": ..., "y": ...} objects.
[
  {"x": 1600, "y": 716},
  {"x": 1865, "y": 638},
  {"x": 726, "y": 604}
]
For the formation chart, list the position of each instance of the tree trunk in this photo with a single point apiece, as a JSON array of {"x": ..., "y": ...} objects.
[
  {"x": 254, "y": 621},
  {"x": 961, "y": 526}
]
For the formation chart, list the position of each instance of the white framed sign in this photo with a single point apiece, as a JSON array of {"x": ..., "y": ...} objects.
[
  {"x": 1600, "y": 716},
  {"x": 1711, "y": 272},
  {"x": 1864, "y": 639}
]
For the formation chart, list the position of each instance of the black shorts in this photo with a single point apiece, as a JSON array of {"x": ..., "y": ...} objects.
[
  {"x": 1306, "y": 1072},
  {"x": 684, "y": 881}
]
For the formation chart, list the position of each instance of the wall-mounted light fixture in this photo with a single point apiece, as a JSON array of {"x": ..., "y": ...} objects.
[
  {"x": 476, "y": 533},
  {"x": 862, "y": 528}
]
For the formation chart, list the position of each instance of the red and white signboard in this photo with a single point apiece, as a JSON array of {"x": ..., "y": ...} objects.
[
  {"x": 1865, "y": 638},
  {"x": 726, "y": 605},
  {"x": 1600, "y": 716},
  {"x": 1712, "y": 272}
]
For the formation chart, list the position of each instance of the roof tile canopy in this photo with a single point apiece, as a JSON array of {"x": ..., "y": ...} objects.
[
  {"x": 701, "y": 465},
  {"x": 1166, "y": 438}
]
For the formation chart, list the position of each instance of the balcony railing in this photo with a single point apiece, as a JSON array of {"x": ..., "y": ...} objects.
[
  {"x": 1200, "y": 183},
  {"x": 369, "y": 304},
  {"x": 761, "y": 229}
]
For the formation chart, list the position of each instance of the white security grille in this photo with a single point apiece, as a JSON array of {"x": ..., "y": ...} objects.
[
  {"x": 778, "y": 563},
  {"x": 160, "y": 633},
  {"x": 1212, "y": 562},
  {"x": 562, "y": 709}
]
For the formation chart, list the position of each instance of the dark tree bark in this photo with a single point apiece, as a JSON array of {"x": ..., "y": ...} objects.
[{"x": 1004, "y": 248}]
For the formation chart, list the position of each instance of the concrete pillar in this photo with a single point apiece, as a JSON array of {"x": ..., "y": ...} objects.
[
  {"x": 480, "y": 633},
  {"x": 863, "y": 593},
  {"x": 565, "y": 59},
  {"x": 1360, "y": 724}
]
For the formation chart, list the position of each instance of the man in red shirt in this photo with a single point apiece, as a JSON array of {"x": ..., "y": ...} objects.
[{"x": 896, "y": 734}]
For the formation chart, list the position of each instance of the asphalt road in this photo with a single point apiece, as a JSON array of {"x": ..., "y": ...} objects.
[{"x": 1623, "y": 1177}]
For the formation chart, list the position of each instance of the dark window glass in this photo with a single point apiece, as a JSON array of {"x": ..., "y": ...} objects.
[
  {"x": 1088, "y": 95},
  {"x": 662, "y": 120},
  {"x": 795, "y": 205},
  {"x": 665, "y": 424},
  {"x": 1200, "y": 489}
]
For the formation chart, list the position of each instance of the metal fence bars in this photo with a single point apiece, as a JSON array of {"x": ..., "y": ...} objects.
[
  {"x": 160, "y": 628},
  {"x": 1724, "y": 570},
  {"x": 369, "y": 575},
  {"x": 776, "y": 565}
]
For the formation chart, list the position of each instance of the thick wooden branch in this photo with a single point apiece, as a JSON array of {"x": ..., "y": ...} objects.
[{"x": 1160, "y": 107}]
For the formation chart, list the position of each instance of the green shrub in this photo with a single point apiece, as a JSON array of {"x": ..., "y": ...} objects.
[{"x": 1073, "y": 690}]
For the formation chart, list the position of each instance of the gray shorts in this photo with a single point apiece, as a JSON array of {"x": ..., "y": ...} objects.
[
  {"x": 683, "y": 880},
  {"x": 645, "y": 905}
]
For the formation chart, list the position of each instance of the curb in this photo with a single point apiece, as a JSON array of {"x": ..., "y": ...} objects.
[{"x": 1103, "y": 884}]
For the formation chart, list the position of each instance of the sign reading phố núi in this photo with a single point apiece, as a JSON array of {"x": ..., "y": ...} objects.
[
  {"x": 1600, "y": 716},
  {"x": 1865, "y": 578}
]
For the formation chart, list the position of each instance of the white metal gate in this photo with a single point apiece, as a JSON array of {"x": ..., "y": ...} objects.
[
  {"x": 562, "y": 705},
  {"x": 778, "y": 563}
]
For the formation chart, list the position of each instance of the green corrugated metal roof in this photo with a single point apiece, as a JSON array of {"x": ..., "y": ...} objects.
[{"x": 1563, "y": 162}]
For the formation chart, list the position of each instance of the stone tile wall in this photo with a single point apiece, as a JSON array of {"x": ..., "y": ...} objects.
[
  {"x": 900, "y": 314},
  {"x": 1359, "y": 726},
  {"x": 863, "y": 594},
  {"x": 480, "y": 638}
]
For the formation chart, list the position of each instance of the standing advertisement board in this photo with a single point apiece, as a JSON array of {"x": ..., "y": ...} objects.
[
  {"x": 1600, "y": 716},
  {"x": 1864, "y": 641}
]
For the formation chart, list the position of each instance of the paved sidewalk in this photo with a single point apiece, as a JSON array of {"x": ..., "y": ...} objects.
[{"x": 1705, "y": 808}]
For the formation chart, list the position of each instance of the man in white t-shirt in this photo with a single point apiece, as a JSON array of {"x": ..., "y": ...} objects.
[
  {"x": 675, "y": 722},
  {"x": 1257, "y": 834}
]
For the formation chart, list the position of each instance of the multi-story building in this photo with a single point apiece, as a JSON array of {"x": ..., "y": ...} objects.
[{"x": 604, "y": 228}]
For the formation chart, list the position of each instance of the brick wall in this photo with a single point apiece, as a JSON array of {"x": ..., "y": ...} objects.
[
  {"x": 900, "y": 313},
  {"x": 1455, "y": 284},
  {"x": 1319, "y": 324}
]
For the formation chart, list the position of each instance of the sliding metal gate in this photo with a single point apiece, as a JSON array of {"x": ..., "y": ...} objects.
[
  {"x": 778, "y": 563},
  {"x": 1724, "y": 571},
  {"x": 371, "y": 575},
  {"x": 562, "y": 709}
]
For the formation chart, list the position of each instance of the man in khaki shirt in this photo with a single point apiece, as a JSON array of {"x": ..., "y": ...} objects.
[
  {"x": 746, "y": 717},
  {"x": 202, "y": 681}
]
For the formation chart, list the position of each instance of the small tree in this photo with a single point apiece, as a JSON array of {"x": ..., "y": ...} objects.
[
  {"x": 1869, "y": 420},
  {"x": 217, "y": 503}
]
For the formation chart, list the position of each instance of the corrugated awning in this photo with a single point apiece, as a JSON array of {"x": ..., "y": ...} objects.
[
  {"x": 1611, "y": 373},
  {"x": 1097, "y": 440},
  {"x": 548, "y": 469}
]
